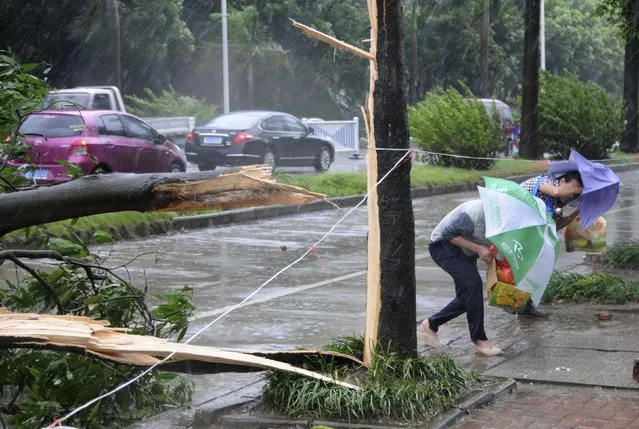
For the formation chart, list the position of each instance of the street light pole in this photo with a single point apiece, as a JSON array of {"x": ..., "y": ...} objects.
[
  {"x": 542, "y": 36},
  {"x": 225, "y": 58}
]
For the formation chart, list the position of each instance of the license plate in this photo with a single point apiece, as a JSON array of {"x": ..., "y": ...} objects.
[
  {"x": 38, "y": 173},
  {"x": 212, "y": 140}
]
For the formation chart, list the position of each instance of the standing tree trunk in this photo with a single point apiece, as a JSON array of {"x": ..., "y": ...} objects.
[
  {"x": 396, "y": 221},
  {"x": 484, "y": 38},
  {"x": 413, "y": 42},
  {"x": 630, "y": 139},
  {"x": 111, "y": 19},
  {"x": 530, "y": 148}
]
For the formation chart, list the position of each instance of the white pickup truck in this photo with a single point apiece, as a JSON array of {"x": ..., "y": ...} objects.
[{"x": 109, "y": 98}]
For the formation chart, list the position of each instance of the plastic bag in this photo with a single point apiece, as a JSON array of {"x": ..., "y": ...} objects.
[
  {"x": 593, "y": 239},
  {"x": 501, "y": 287}
]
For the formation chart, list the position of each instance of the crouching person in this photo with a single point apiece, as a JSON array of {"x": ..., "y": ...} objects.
[{"x": 455, "y": 245}]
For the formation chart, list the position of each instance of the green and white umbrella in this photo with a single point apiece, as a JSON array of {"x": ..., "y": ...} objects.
[{"x": 518, "y": 224}]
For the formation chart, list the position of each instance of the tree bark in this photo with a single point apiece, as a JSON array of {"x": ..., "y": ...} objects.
[
  {"x": 530, "y": 148},
  {"x": 415, "y": 61},
  {"x": 396, "y": 221},
  {"x": 111, "y": 21},
  {"x": 484, "y": 41},
  {"x": 630, "y": 139},
  {"x": 243, "y": 187}
]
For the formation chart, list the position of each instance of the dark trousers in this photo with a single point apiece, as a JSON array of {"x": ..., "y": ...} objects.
[{"x": 469, "y": 296}]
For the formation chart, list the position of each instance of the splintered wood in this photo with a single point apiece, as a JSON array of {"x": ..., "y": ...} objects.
[
  {"x": 250, "y": 186},
  {"x": 94, "y": 337}
]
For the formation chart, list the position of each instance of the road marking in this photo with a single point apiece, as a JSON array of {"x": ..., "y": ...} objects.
[{"x": 281, "y": 294}]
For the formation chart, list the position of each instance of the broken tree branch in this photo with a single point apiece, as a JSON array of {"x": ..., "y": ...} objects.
[
  {"x": 318, "y": 35},
  {"x": 241, "y": 187},
  {"x": 84, "y": 335}
]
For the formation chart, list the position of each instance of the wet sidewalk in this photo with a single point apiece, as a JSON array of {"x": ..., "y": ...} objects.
[{"x": 543, "y": 406}]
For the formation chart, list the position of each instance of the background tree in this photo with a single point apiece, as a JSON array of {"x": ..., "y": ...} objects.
[
  {"x": 625, "y": 15},
  {"x": 530, "y": 147}
]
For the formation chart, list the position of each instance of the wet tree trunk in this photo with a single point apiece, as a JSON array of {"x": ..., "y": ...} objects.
[
  {"x": 484, "y": 41},
  {"x": 413, "y": 42},
  {"x": 396, "y": 221},
  {"x": 112, "y": 27},
  {"x": 530, "y": 147},
  {"x": 630, "y": 139}
]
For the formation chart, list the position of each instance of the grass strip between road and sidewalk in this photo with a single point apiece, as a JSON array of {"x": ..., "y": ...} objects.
[{"x": 126, "y": 225}]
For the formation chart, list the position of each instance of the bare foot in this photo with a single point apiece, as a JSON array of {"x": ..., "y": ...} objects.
[
  {"x": 430, "y": 335},
  {"x": 487, "y": 348}
]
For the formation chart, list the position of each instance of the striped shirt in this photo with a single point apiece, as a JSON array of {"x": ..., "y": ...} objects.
[
  {"x": 466, "y": 220},
  {"x": 552, "y": 203}
]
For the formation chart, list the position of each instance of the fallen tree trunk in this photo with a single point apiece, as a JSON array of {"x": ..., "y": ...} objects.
[
  {"x": 242, "y": 187},
  {"x": 83, "y": 335}
]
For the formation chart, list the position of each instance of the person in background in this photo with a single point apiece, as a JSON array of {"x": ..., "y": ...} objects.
[
  {"x": 555, "y": 193},
  {"x": 455, "y": 245}
]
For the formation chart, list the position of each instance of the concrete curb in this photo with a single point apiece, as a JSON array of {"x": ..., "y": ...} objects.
[
  {"x": 215, "y": 416},
  {"x": 258, "y": 213},
  {"x": 501, "y": 391}
]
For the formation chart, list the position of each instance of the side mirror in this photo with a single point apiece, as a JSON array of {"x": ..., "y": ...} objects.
[
  {"x": 311, "y": 130},
  {"x": 159, "y": 139}
]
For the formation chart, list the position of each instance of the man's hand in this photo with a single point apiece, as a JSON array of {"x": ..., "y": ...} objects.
[
  {"x": 484, "y": 253},
  {"x": 481, "y": 250}
]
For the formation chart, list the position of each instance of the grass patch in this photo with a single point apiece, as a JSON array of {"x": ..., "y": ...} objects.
[
  {"x": 344, "y": 184},
  {"x": 597, "y": 288},
  {"x": 119, "y": 224},
  {"x": 622, "y": 256},
  {"x": 393, "y": 388}
]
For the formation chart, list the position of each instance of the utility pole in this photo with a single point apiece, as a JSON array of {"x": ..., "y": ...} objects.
[
  {"x": 542, "y": 36},
  {"x": 225, "y": 58}
]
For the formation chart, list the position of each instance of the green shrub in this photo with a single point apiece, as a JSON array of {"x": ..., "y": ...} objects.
[
  {"x": 447, "y": 122},
  {"x": 170, "y": 103},
  {"x": 597, "y": 288},
  {"x": 577, "y": 115},
  {"x": 393, "y": 387},
  {"x": 623, "y": 256}
]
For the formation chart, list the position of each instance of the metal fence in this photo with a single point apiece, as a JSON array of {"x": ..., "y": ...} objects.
[{"x": 344, "y": 133}]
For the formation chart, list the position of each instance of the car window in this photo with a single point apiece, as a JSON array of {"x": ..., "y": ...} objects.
[
  {"x": 294, "y": 125},
  {"x": 65, "y": 99},
  {"x": 52, "y": 126},
  {"x": 136, "y": 129},
  {"x": 274, "y": 123},
  {"x": 101, "y": 102},
  {"x": 111, "y": 125},
  {"x": 235, "y": 121}
]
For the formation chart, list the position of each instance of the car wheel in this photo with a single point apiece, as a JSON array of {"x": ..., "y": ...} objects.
[
  {"x": 270, "y": 158},
  {"x": 323, "y": 159},
  {"x": 206, "y": 167},
  {"x": 176, "y": 168}
]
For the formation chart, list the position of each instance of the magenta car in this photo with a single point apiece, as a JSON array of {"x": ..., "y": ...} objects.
[{"x": 99, "y": 141}]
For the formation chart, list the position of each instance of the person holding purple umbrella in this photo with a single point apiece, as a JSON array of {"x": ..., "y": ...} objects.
[{"x": 555, "y": 192}]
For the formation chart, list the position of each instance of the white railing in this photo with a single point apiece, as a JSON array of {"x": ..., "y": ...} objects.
[{"x": 344, "y": 133}]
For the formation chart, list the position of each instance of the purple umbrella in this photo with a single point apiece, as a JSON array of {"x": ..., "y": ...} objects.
[{"x": 601, "y": 185}]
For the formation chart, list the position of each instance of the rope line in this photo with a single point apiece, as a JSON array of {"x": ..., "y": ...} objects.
[{"x": 311, "y": 249}]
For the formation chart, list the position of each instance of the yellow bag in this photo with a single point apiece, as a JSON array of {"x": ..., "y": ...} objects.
[
  {"x": 593, "y": 239},
  {"x": 504, "y": 295}
]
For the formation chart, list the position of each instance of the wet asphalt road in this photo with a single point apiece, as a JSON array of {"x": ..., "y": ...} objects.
[{"x": 315, "y": 301}]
